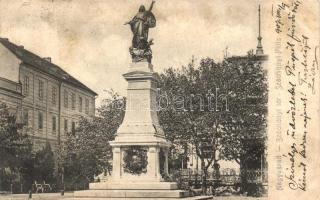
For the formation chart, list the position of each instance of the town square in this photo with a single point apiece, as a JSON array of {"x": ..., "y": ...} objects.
[{"x": 143, "y": 100}]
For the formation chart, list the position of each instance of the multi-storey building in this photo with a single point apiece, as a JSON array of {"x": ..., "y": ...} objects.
[{"x": 47, "y": 100}]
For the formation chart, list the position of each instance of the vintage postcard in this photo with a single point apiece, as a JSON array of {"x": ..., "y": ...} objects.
[{"x": 188, "y": 99}]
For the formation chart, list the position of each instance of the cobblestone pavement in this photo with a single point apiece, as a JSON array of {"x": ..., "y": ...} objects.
[{"x": 57, "y": 196}]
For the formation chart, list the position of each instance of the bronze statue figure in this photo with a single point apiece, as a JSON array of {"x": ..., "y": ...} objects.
[{"x": 140, "y": 24}]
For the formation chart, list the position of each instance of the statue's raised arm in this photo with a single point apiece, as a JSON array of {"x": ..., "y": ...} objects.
[{"x": 151, "y": 6}]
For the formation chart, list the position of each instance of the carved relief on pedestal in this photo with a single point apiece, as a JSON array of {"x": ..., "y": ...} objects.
[{"x": 135, "y": 160}]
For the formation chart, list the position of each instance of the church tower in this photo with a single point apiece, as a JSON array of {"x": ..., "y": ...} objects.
[{"x": 259, "y": 50}]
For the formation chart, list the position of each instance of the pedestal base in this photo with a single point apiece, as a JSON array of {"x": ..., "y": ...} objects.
[
  {"x": 135, "y": 190},
  {"x": 139, "y": 198},
  {"x": 134, "y": 186},
  {"x": 150, "y": 194},
  {"x": 187, "y": 198}
]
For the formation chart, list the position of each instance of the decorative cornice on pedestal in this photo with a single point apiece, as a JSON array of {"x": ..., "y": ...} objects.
[
  {"x": 141, "y": 70},
  {"x": 146, "y": 143},
  {"x": 141, "y": 75}
]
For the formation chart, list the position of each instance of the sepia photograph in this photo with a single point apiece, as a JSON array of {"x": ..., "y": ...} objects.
[{"x": 195, "y": 100}]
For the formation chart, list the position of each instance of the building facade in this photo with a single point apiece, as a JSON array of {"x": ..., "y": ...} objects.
[
  {"x": 10, "y": 94},
  {"x": 48, "y": 100}
]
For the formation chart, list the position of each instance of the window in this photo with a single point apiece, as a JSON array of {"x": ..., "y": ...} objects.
[
  {"x": 40, "y": 120},
  {"x": 66, "y": 98},
  {"x": 26, "y": 85},
  {"x": 73, "y": 101},
  {"x": 26, "y": 118},
  {"x": 80, "y": 104},
  {"x": 73, "y": 127},
  {"x": 54, "y": 124},
  {"x": 40, "y": 90},
  {"x": 54, "y": 95},
  {"x": 66, "y": 125},
  {"x": 87, "y": 106}
]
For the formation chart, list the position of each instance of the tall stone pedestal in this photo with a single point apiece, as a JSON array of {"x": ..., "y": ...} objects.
[
  {"x": 140, "y": 128},
  {"x": 140, "y": 150}
]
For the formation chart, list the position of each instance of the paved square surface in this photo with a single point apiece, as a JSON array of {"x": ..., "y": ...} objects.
[{"x": 57, "y": 196}]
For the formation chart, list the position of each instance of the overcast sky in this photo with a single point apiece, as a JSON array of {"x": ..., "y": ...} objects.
[{"x": 88, "y": 38}]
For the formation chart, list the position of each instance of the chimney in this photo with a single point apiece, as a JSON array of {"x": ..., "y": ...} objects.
[
  {"x": 21, "y": 46},
  {"x": 47, "y": 59}
]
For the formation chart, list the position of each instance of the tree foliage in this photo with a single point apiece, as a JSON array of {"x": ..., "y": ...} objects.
[
  {"x": 44, "y": 164},
  {"x": 39, "y": 166},
  {"x": 245, "y": 124},
  {"x": 87, "y": 150},
  {"x": 15, "y": 147},
  {"x": 216, "y": 107}
]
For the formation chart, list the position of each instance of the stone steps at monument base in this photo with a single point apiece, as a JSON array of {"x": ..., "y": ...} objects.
[
  {"x": 133, "y": 193},
  {"x": 141, "y": 198},
  {"x": 133, "y": 186}
]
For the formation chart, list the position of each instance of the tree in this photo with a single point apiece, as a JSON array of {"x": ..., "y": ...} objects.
[
  {"x": 27, "y": 171},
  {"x": 15, "y": 146},
  {"x": 38, "y": 166},
  {"x": 187, "y": 114},
  {"x": 215, "y": 107},
  {"x": 88, "y": 152},
  {"x": 246, "y": 124},
  {"x": 44, "y": 164},
  {"x": 248, "y": 106}
]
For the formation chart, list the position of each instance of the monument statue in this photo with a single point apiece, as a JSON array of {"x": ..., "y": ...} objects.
[
  {"x": 140, "y": 149},
  {"x": 140, "y": 24}
]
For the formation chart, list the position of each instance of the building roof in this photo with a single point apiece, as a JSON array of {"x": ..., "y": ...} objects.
[
  {"x": 254, "y": 57},
  {"x": 42, "y": 64}
]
